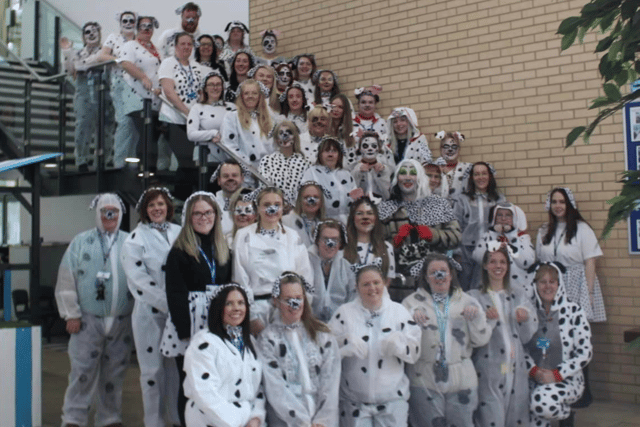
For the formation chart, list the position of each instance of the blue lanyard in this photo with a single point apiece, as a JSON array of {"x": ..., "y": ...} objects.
[
  {"x": 442, "y": 319},
  {"x": 211, "y": 264}
]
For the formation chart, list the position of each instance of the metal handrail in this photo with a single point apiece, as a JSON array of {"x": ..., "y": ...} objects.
[
  {"x": 34, "y": 73},
  {"x": 221, "y": 146},
  {"x": 57, "y": 11}
]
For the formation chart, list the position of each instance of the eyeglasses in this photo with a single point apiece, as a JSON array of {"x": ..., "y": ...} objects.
[{"x": 201, "y": 215}]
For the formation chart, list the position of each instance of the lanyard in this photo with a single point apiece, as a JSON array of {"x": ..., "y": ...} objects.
[
  {"x": 556, "y": 243},
  {"x": 211, "y": 264},
  {"x": 191, "y": 81},
  {"x": 442, "y": 320},
  {"x": 105, "y": 255},
  {"x": 366, "y": 257}
]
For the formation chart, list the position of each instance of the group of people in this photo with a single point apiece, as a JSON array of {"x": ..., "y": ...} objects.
[{"x": 340, "y": 276}]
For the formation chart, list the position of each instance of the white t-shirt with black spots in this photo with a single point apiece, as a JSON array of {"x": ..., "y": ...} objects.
[
  {"x": 187, "y": 80},
  {"x": 138, "y": 55}
]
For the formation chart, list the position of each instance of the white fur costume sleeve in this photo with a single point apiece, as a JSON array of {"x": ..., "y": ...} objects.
[{"x": 223, "y": 387}]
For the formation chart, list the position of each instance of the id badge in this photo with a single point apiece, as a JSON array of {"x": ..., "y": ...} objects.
[{"x": 103, "y": 276}]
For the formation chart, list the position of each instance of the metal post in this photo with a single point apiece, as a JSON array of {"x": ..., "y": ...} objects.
[
  {"x": 5, "y": 220},
  {"x": 34, "y": 282},
  {"x": 7, "y": 296},
  {"x": 203, "y": 152},
  {"x": 56, "y": 44},
  {"x": 147, "y": 135},
  {"x": 102, "y": 110},
  {"x": 62, "y": 128},
  {"x": 36, "y": 32},
  {"x": 26, "y": 136}
]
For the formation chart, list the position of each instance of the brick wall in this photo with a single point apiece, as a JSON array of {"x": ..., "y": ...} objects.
[{"x": 493, "y": 70}]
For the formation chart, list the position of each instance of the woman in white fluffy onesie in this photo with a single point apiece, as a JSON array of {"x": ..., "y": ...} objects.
[
  {"x": 300, "y": 360},
  {"x": 444, "y": 385},
  {"x": 377, "y": 337},
  {"x": 502, "y": 373},
  {"x": 143, "y": 258}
]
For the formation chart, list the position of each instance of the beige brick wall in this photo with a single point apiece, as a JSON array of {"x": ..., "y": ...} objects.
[{"x": 493, "y": 70}]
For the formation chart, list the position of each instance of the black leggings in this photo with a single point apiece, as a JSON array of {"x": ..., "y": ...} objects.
[{"x": 182, "y": 400}]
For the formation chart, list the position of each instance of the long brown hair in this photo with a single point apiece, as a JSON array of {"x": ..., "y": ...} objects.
[
  {"x": 377, "y": 236},
  {"x": 344, "y": 128},
  {"x": 189, "y": 242},
  {"x": 486, "y": 282},
  {"x": 311, "y": 324},
  {"x": 572, "y": 216}
]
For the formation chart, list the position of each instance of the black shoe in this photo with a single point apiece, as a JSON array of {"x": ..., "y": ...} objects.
[
  {"x": 567, "y": 422},
  {"x": 83, "y": 168}
]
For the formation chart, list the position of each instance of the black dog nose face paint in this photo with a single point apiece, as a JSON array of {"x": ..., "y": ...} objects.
[
  {"x": 331, "y": 243},
  {"x": 294, "y": 303},
  {"x": 109, "y": 213},
  {"x": 311, "y": 200},
  {"x": 272, "y": 210}
]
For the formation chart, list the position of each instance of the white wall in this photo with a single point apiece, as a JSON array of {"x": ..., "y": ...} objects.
[{"x": 215, "y": 13}]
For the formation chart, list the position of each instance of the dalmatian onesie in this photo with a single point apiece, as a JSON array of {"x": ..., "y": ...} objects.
[
  {"x": 472, "y": 215},
  {"x": 339, "y": 183},
  {"x": 519, "y": 246},
  {"x": 204, "y": 123},
  {"x": 332, "y": 291},
  {"x": 563, "y": 344},
  {"x": 284, "y": 172},
  {"x": 374, "y": 390},
  {"x": 301, "y": 376},
  {"x": 85, "y": 101},
  {"x": 445, "y": 398},
  {"x": 374, "y": 124},
  {"x": 365, "y": 257},
  {"x": 502, "y": 372},
  {"x": 370, "y": 180},
  {"x": 143, "y": 257},
  {"x": 455, "y": 180},
  {"x": 222, "y": 383},
  {"x": 92, "y": 287},
  {"x": 415, "y": 146},
  {"x": 259, "y": 259},
  {"x": 249, "y": 144},
  {"x": 303, "y": 226}
]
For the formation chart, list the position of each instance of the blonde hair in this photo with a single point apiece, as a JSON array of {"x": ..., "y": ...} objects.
[
  {"x": 264, "y": 118},
  {"x": 310, "y": 322},
  {"x": 189, "y": 242},
  {"x": 294, "y": 129},
  {"x": 298, "y": 207},
  {"x": 264, "y": 192}
]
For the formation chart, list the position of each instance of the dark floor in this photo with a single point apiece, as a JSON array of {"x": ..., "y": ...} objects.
[{"x": 55, "y": 369}]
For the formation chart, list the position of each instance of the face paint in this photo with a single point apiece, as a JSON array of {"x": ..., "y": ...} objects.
[
  {"x": 284, "y": 75},
  {"x": 109, "y": 213},
  {"x": 408, "y": 179},
  {"x": 145, "y": 26},
  {"x": 243, "y": 210},
  {"x": 439, "y": 274},
  {"x": 285, "y": 137},
  {"x": 331, "y": 243},
  {"x": 91, "y": 35},
  {"x": 294, "y": 303},
  {"x": 272, "y": 210},
  {"x": 127, "y": 23},
  {"x": 269, "y": 44},
  {"x": 369, "y": 148},
  {"x": 311, "y": 201},
  {"x": 449, "y": 150}
]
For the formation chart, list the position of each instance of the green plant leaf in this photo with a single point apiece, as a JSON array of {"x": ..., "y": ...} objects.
[
  {"x": 628, "y": 9},
  {"x": 622, "y": 78},
  {"x": 573, "y": 135},
  {"x": 614, "y": 49},
  {"x": 568, "y": 39},
  {"x": 569, "y": 25},
  {"x": 612, "y": 91},
  {"x": 604, "y": 44},
  {"x": 600, "y": 101},
  {"x": 606, "y": 22},
  {"x": 582, "y": 31},
  {"x": 605, "y": 68}
]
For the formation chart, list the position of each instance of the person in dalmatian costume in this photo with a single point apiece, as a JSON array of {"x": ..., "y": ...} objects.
[
  {"x": 326, "y": 87},
  {"x": 284, "y": 76},
  {"x": 503, "y": 390},
  {"x": 246, "y": 130},
  {"x": 198, "y": 261},
  {"x": 558, "y": 352},
  {"x": 304, "y": 67},
  {"x": 432, "y": 171},
  {"x": 189, "y": 18},
  {"x": 285, "y": 168},
  {"x": 342, "y": 127},
  {"x": 444, "y": 385},
  {"x": 308, "y": 211},
  {"x": 319, "y": 122},
  {"x": 334, "y": 280},
  {"x": 472, "y": 208},
  {"x": 243, "y": 210},
  {"x": 206, "y": 117},
  {"x": 143, "y": 255},
  {"x": 405, "y": 139},
  {"x": 366, "y": 244},
  {"x": 374, "y": 166},
  {"x": 77, "y": 63},
  {"x": 377, "y": 339},
  {"x": 294, "y": 107},
  {"x": 270, "y": 48},
  {"x": 508, "y": 225},
  {"x": 206, "y": 54},
  {"x": 236, "y": 32},
  {"x": 267, "y": 76},
  {"x": 112, "y": 50},
  {"x": 452, "y": 169},
  {"x": 241, "y": 64},
  {"x": 230, "y": 178},
  {"x": 93, "y": 298},
  {"x": 329, "y": 173},
  {"x": 140, "y": 61},
  {"x": 366, "y": 118},
  {"x": 262, "y": 251},
  {"x": 416, "y": 222},
  {"x": 300, "y": 359},
  {"x": 223, "y": 373}
]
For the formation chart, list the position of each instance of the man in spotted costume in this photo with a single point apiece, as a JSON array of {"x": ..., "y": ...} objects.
[
  {"x": 417, "y": 223},
  {"x": 230, "y": 178},
  {"x": 189, "y": 17},
  {"x": 93, "y": 298},
  {"x": 85, "y": 102}
]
